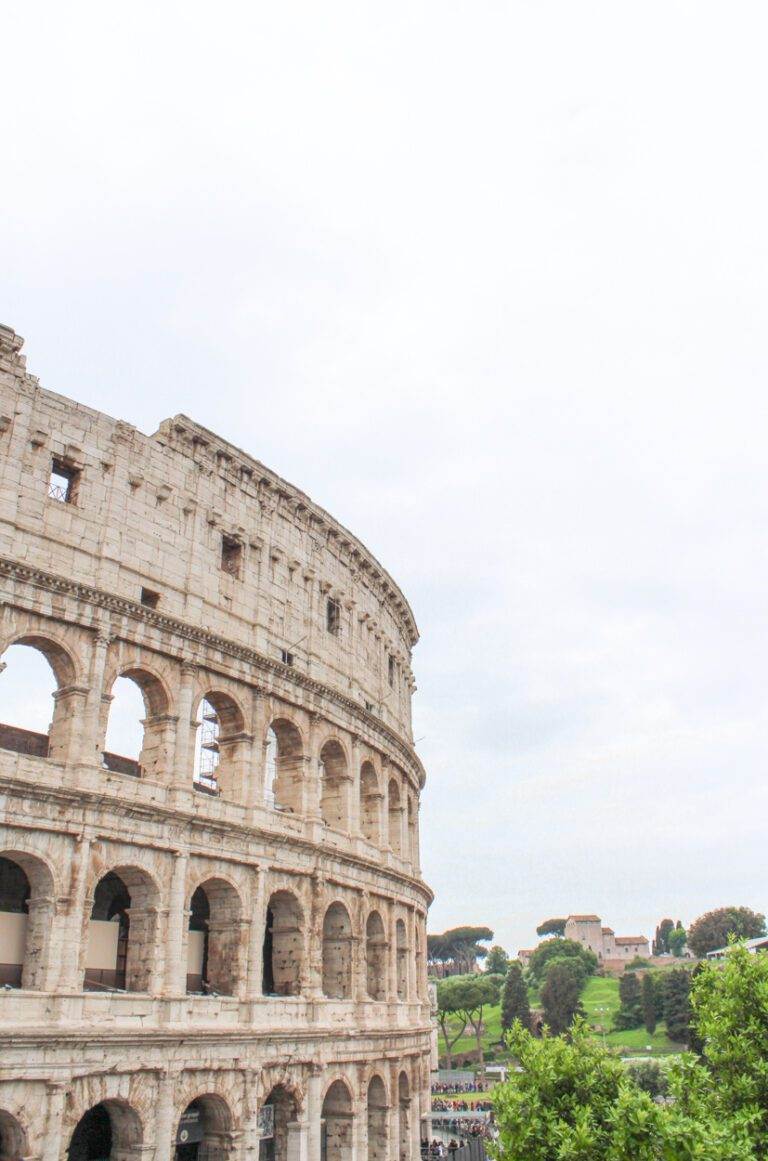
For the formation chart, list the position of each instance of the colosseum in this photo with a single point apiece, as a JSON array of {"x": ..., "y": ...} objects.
[{"x": 212, "y": 948}]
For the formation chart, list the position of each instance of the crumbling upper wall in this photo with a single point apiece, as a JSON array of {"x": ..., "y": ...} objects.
[{"x": 153, "y": 512}]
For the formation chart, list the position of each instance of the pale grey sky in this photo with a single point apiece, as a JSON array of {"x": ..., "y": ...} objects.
[{"x": 488, "y": 280}]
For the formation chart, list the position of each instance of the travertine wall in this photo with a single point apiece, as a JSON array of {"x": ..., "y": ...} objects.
[{"x": 308, "y": 826}]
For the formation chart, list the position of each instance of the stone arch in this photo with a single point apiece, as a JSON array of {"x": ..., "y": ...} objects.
[
  {"x": 121, "y": 945},
  {"x": 283, "y": 945},
  {"x": 395, "y": 820},
  {"x": 49, "y": 738},
  {"x": 401, "y": 946},
  {"x": 214, "y": 954},
  {"x": 27, "y": 908},
  {"x": 403, "y": 1115},
  {"x": 221, "y": 750},
  {"x": 204, "y": 1130},
  {"x": 376, "y": 954},
  {"x": 13, "y": 1138},
  {"x": 278, "y": 1116},
  {"x": 335, "y": 781},
  {"x": 337, "y": 952},
  {"x": 337, "y": 1122},
  {"x": 370, "y": 804},
  {"x": 377, "y": 1111},
  {"x": 137, "y": 711},
  {"x": 108, "y": 1131},
  {"x": 284, "y": 775}
]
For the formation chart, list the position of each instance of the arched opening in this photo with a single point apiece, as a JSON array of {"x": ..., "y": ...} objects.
[
  {"x": 402, "y": 960},
  {"x": 283, "y": 946},
  {"x": 336, "y": 1127},
  {"x": 122, "y": 933},
  {"x": 404, "y": 1116},
  {"x": 276, "y": 1116},
  {"x": 378, "y": 1136},
  {"x": 204, "y": 1131},
  {"x": 27, "y": 907},
  {"x": 284, "y": 782},
  {"x": 220, "y": 746},
  {"x": 13, "y": 1140},
  {"x": 376, "y": 957},
  {"x": 337, "y": 953},
  {"x": 28, "y": 682},
  {"x": 370, "y": 804},
  {"x": 334, "y": 800},
  {"x": 110, "y": 1131},
  {"x": 213, "y": 940},
  {"x": 395, "y": 817},
  {"x": 15, "y": 892},
  {"x": 135, "y": 741}
]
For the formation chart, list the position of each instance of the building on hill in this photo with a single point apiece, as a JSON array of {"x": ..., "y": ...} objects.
[{"x": 588, "y": 930}]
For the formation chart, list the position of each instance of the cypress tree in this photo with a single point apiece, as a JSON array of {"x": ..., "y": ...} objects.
[
  {"x": 649, "y": 1003},
  {"x": 514, "y": 999}
]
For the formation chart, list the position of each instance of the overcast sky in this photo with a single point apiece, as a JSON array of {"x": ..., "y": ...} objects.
[{"x": 488, "y": 280}]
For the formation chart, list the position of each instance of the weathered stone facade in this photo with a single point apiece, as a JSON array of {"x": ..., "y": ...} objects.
[{"x": 266, "y": 919}]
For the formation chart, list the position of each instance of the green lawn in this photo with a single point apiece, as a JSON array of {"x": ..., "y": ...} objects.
[{"x": 601, "y": 1003}]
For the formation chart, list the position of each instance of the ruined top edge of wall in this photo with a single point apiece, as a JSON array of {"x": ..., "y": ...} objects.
[{"x": 187, "y": 437}]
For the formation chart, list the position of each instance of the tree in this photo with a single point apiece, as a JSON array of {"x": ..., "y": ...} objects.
[
  {"x": 552, "y": 927},
  {"x": 552, "y": 948},
  {"x": 661, "y": 940},
  {"x": 572, "y": 1099},
  {"x": 514, "y": 998},
  {"x": 448, "y": 1008},
  {"x": 649, "y": 1003},
  {"x": 471, "y": 995},
  {"x": 630, "y": 1013},
  {"x": 677, "y": 940},
  {"x": 497, "y": 961},
  {"x": 730, "y": 1011},
  {"x": 649, "y": 1076},
  {"x": 572, "y": 964},
  {"x": 460, "y": 946},
  {"x": 676, "y": 991},
  {"x": 715, "y": 928},
  {"x": 560, "y": 998}
]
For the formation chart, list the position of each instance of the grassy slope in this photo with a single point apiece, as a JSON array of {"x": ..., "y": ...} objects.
[{"x": 601, "y": 1003}]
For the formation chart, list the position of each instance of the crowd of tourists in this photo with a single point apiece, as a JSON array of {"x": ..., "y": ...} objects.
[
  {"x": 452, "y": 1086},
  {"x": 439, "y": 1105}
]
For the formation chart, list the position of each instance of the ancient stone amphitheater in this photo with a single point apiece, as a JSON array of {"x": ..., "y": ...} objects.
[{"x": 215, "y": 947}]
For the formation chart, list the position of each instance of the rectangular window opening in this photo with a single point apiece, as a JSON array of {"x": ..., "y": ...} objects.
[
  {"x": 62, "y": 484},
  {"x": 149, "y": 598},
  {"x": 231, "y": 556},
  {"x": 391, "y": 671},
  {"x": 333, "y": 617},
  {"x": 286, "y": 657}
]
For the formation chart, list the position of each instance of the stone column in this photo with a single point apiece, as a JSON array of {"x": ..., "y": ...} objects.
[
  {"x": 67, "y": 737},
  {"x": 394, "y": 1113},
  {"x": 314, "y": 1111},
  {"x": 354, "y": 789},
  {"x": 256, "y": 785},
  {"x": 75, "y": 923},
  {"x": 165, "y": 1127},
  {"x": 392, "y": 997},
  {"x": 312, "y": 780},
  {"x": 56, "y": 1092},
  {"x": 255, "y": 972},
  {"x": 359, "y": 949},
  {"x": 184, "y": 757},
  {"x": 176, "y": 942},
  {"x": 314, "y": 956}
]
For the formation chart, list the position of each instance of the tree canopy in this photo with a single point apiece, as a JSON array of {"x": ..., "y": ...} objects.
[
  {"x": 466, "y": 997},
  {"x": 497, "y": 961},
  {"x": 560, "y": 995},
  {"x": 715, "y": 928},
  {"x": 560, "y": 948},
  {"x": 460, "y": 946},
  {"x": 514, "y": 998},
  {"x": 551, "y": 927}
]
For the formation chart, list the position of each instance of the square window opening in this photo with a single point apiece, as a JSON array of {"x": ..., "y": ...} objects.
[
  {"x": 231, "y": 556},
  {"x": 149, "y": 598},
  {"x": 333, "y": 617},
  {"x": 62, "y": 483}
]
